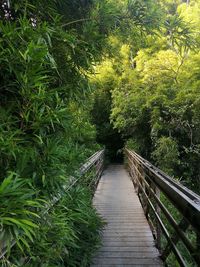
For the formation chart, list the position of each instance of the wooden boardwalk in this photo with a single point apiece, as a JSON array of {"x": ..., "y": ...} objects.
[{"x": 127, "y": 239}]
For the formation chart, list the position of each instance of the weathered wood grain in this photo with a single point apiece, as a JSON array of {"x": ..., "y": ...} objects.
[{"x": 127, "y": 239}]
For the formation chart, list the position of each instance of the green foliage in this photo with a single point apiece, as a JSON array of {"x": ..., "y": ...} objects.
[
  {"x": 166, "y": 154},
  {"x": 66, "y": 233},
  {"x": 45, "y": 130},
  {"x": 133, "y": 145},
  {"x": 179, "y": 32},
  {"x": 155, "y": 99},
  {"x": 148, "y": 90},
  {"x": 106, "y": 135},
  {"x": 17, "y": 215}
]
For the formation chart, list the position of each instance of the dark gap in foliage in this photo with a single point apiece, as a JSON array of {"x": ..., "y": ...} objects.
[
  {"x": 114, "y": 148},
  {"x": 106, "y": 135}
]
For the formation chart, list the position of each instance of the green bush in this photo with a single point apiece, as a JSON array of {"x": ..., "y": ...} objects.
[
  {"x": 65, "y": 234},
  {"x": 45, "y": 133},
  {"x": 166, "y": 154}
]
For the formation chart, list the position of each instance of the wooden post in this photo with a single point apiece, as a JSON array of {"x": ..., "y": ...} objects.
[
  {"x": 136, "y": 179},
  {"x": 158, "y": 229}
]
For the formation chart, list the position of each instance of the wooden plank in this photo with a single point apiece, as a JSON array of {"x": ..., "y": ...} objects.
[
  {"x": 130, "y": 228},
  {"x": 122, "y": 265},
  {"x": 134, "y": 232},
  {"x": 127, "y": 234},
  {"x": 128, "y": 243},
  {"x": 136, "y": 261},
  {"x": 129, "y": 265},
  {"x": 128, "y": 249},
  {"x": 133, "y": 224},
  {"x": 127, "y": 239},
  {"x": 127, "y": 254},
  {"x": 130, "y": 219}
]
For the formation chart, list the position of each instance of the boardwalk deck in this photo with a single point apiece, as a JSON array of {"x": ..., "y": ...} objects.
[{"x": 127, "y": 239}]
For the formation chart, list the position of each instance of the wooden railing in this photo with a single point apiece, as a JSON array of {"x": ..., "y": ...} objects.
[
  {"x": 161, "y": 196},
  {"x": 95, "y": 163}
]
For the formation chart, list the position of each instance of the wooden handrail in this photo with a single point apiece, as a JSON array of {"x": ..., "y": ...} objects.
[
  {"x": 150, "y": 182},
  {"x": 96, "y": 160}
]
